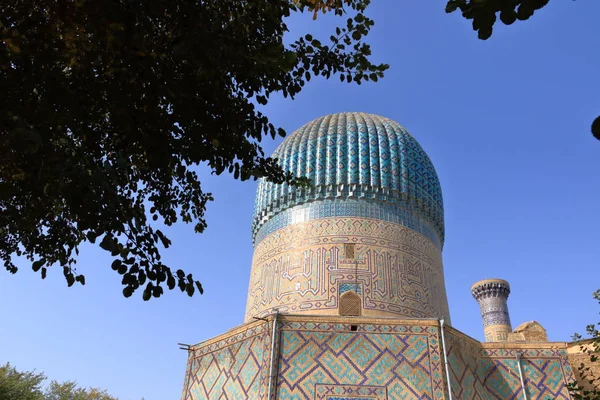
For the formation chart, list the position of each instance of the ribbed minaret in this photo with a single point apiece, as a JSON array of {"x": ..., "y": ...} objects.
[{"x": 492, "y": 294}]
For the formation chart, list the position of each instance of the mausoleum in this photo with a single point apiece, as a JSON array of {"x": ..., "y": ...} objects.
[{"x": 347, "y": 299}]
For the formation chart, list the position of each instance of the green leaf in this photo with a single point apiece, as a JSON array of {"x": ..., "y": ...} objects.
[
  {"x": 152, "y": 109},
  {"x": 107, "y": 243},
  {"x": 127, "y": 291},
  {"x": 142, "y": 277},
  {"x": 37, "y": 265},
  {"x": 165, "y": 241},
  {"x": 116, "y": 264},
  {"x": 91, "y": 236},
  {"x": 189, "y": 289},
  {"x": 596, "y": 128},
  {"x": 147, "y": 293}
]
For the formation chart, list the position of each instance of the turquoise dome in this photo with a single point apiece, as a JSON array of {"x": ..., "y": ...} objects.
[{"x": 355, "y": 161}]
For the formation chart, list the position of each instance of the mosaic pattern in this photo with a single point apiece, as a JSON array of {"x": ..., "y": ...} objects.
[
  {"x": 347, "y": 287},
  {"x": 349, "y": 208},
  {"x": 492, "y": 295},
  {"x": 348, "y": 398},
  {"x": 349, "y": 392},
  {"x": 330, "y": 358},
  {"x": 479, "y": 373},
  {"x": 232, "y": 368},
  {"x": 302, "y": 268},
  {"x": 354, "y": 156},
  {"x": 318, "y": 362}
]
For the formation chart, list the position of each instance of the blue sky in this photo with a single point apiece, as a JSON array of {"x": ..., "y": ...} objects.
[{"x": 506, "y": 123}]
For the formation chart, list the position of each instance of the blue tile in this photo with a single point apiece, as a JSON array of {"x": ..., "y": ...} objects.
[{"x": 374, "y": 155}]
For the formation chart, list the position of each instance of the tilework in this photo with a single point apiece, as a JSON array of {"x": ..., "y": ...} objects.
[
  {"x": 327, "y": 358},
  {"x": 348, "y": 398},
  {"x": 354, "y": 156},
  {"x": 350, "y": 392},
  {"x": 480, "y": 373},
  {"x": 492, "y": 296},
  {"x": 232, "y": 368},
  {"x": 346, "y": 287},
  {"x": 299, "y": 269},
  {"x": 405, "y": 215},
  {"x": 375, "y": 362}
]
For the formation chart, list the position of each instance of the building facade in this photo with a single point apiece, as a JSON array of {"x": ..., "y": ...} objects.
[{"x": 347, "y": 299}]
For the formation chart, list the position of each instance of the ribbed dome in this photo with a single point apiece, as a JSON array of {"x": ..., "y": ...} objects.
[{"x": 354, "y": 156}]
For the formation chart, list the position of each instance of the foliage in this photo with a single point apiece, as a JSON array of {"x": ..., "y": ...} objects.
[
  {"x": 17, "y": 385},
  {"x": 484, "y": 14},
  {"x": 70, "y": 391},
  {"x": 591, "y": 348},
  {"x": 596, "y": 128},
  {"x": 108, "y": 107}
]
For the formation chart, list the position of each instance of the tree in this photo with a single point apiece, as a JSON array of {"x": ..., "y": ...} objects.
[
  {"x": 483, "y": 12},
  {"x": 15, "y": 385},
  {"x": 588, "y": 385},
  {"x": 70, "y": 391},
  {"x": 484, "y": 15},
  {"x": 108, "y": 107}
]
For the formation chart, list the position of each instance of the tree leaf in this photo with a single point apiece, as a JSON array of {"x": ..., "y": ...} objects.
[
  {"x": 114, "y": 116},
  {"x": 37, "y": 265}
]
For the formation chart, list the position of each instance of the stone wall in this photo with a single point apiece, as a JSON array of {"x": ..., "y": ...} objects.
[{"x": 530, "y": 331}]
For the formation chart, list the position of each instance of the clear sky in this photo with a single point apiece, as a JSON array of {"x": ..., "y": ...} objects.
[{"x": 506, "y": 123}]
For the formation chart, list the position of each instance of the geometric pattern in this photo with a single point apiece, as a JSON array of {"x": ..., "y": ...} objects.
[
  {"x": 354, "y": 156},
  {"x": 337, "y": 358},
  {"x": 477, "y": 372},
  {"x": 328, "y": 361},
  {"x": 303, "y": 268},
  {"x": 232, "y": 368},
  {"x": 403, "y": 215},
  {"x": 349, "y": 392}
]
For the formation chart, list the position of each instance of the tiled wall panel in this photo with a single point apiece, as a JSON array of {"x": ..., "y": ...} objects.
[
  {"x": 233, "y": 367},
  {"x": 328, "y": 361}
]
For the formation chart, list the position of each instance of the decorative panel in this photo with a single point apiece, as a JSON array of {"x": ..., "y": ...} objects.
[
  {"x": 235, "y": 367},
  {"x": 302, "y": 268},
  {"x": 328, "y": 361},
  {"x": 483, "y": 373}
]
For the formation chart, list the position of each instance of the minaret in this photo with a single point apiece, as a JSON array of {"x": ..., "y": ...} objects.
[{"x": 492, "y": 294}]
